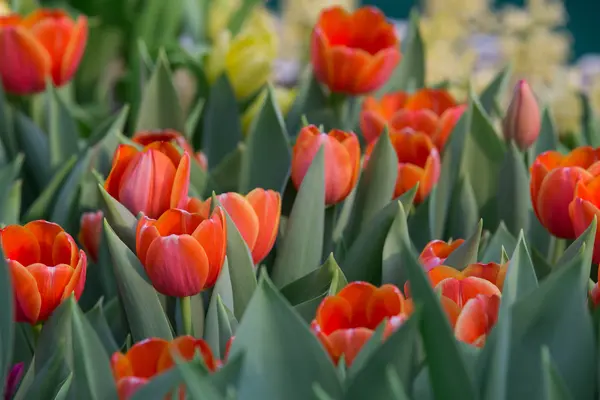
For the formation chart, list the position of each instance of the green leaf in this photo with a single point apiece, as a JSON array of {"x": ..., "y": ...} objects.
[
  {"x": 98, "y": 322},
  {"x": 364, "y": 259},
  {"x": 501, "y": 238},
  {"x": 419, "y": 224},
  {"x": 239, "y": 17},
  {"x": 491, "y": 96},
  {"x": 539, "y": 238},
  {"x": 266, "y": 162},
  {"x": 398, "y": 351},
  {"x": 161, "y": 385},
  {"x": 375, "y": 187},
  {"x": 225, "y": 176},
  {"x": 241, "y": 267},
  {"x": 7, "y": 133},
  {"x": 463, "y": 210},
  {"x": 104, "y": 140},
  {"x": 40, "y": 209},
  {"x": 310, "y": 99},
  {"x": 194, "y": 119},
  {"x": 585, "y": 242},
  {"x": 393, "y": 270},
  {"x": 222, "y": 128},
  {"x": 410, "y": 72},
  {"x": 226, "y": 324},
  {"x": 8, "y": 176},
  {"x": 34, "y": 143},
  {"x": 554, "y": 386},
  {"x": 590, "y": 122},
  {"x": 302, "y": 246},
  {"x": 447, "y": 366},
  {"x": 467, "y": 252},
  {"x": 548, "y": 138},
  {"x": 62, "y": 130},
  {"x": 158, "y": 23},
  {"x": 120, "y": 218},
  {"x": 160, "y": 108},
  {"x": 140, "y": 301},
  {"x": 7, "y": 326},
  {"x": 198, "y": 178},
  {"x": 264, "y": 337},
  {"x": 513, "y": 191},
  {"x": 198, "y": 386},
  {"x": 520, "y": 277},
  {"x": 47, "y": 383}
]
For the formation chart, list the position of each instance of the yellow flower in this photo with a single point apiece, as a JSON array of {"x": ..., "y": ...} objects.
[
  {"x": 284, "y": 98},
  {"x": 248, "y": 57},
  {"x": 219, "y": 14},
  {"x": 4, "y": 8}
]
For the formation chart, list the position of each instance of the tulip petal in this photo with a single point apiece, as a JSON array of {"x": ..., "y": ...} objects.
[
  {"x": 51, "y": 283},
  {"x": 358, "y": 295},
  {"x": 25, "y": 64},
  {"x": 476, "y": 319},
  {"x": 267, "y": 206},
  {"x": 371, "y": 125},
  {"x": 77, "y": 281},
  {"x": 28, "y": 301},
  {"x": 123, "y": 156},
  {"x": 436, "y": 100},
  {"x": 177, "y": 265},
  {"x": 211, "y": 234},
  {"x": 64, "y": 250},
  {"x": 144, "y": 356},
  {"x": 488, "y": 271},
  {"x": 181, "y": 183},
  {"x": 424, "y": 121},
  {"x": 177, "y": 222},
  {"x": 386, "y": 302},
  {"x": 347, "y": 342},
  {"x": 186, "y": 347},
  {"x": 126, "y": 387},
  {"x": 447, "y": 122},
  {"x": 452, "y": 310},
  {"x": 19, "y": 244},
  {"x": 243, "y": 216},
  {"x": 46, "y": 233},
  {"x": 74, "y": 51},
  {"x": 334, "y": 313},
  {"x": 439, "y": 273},
  {"x": 146, "y": 233}
]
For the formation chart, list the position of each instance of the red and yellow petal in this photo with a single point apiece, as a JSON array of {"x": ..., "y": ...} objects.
[
  {"x": 386, "y": 302},
  {"x": 476, "y": 319},
  {"x": 347, "y": 342},
  {"x": 141, "y": 360},
  {"x": 243, "y": 215},
  {"x": 436, "y": 100},
  {"x": 77, "y": 282}
]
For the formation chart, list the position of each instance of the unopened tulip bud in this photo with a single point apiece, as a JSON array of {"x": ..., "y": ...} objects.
[{"x": 522, "y": 120}]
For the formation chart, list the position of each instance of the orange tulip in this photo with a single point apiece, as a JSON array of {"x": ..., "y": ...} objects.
[
  {"x": 584, "y": 207},
  {"x": 354, "y": 53},
  {"x": 342, "y": 160},
  {"x": 182, "y": 253},
  {"x": 153, "y": 356},
  {"x": 476, "y": 319},
  {"x": 430, "y": 111},
  {"x": 552, "y": 186},
  {"x": 46, "y": 267},
  {"x": 150, "y": 180},
  {"x": 344, "y": 322},
  {"x": 90, "y": 233},
  {"x": 418, "y": 161},
  {"x": 170, "y": 136},
  {"x": 47, "y": 44},
  {"x": 256, "y": 216},
  {"x": 436, "y": 252}
]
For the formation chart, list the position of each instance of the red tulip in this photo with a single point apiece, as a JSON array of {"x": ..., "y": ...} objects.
[
  {"x": 153, "y": 356},
  {"x": 584, "y": 207},
  {"x": 354, "y": 53},
  {"x": 476, "y": 319},
  {"x": 90, "y": 233},
  {"x": 46, "y": 268},
  {"x": 430, "y": 111},
  {"x": 171, "y": 136},
  {"x": 47, "y": 44},
  {"x": 342, "y": 160},
  {"x": 182, "y": 253},
  {"x": 151, "y": 180},
  {"x": 344, "y": 322},
  {"x": 418, "y": 161},
  {"x": 552, "y": 186},
  {"x": 436, "y": 252},
  {"x": 256, "y": 216},
  {"x": 522, "y": 122}
]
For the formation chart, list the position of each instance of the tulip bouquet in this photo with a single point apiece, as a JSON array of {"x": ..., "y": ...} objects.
[{"x": 361, "y": 236}]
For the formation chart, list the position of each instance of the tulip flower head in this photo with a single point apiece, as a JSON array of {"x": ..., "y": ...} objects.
[
  {"x": 430, "y": 111},
  {"x": 476, "y": 319},
  {"x": 150, "y": 180},
  {"x": 584, "y": 207},
  {"x": 182, "y": 252},
  {"x": 554, "y": 178},
  {"x": 346, "y": 321},
  {"x": 153, "y": 356},
  {"x": 46, "y": 268},
  {"x": 354, "y": 53},
  {"x": 255, "y": 215},
  {"x": 90, "y": 232},
  {"x": 48, "y": 44},
  {"x": 436, "y": 252},
  {"x": 342, "y": 160},
  {"x": 522, "y": 121},
  {"x": 418, "y": 162},
  {"x": 167, "y": 135}
]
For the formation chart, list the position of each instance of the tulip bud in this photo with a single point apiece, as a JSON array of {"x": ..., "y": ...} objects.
[
  {"x": 522, "y": 120},
  {"x": 14, "y": 376},
  {"x": 90, "y": 232}
]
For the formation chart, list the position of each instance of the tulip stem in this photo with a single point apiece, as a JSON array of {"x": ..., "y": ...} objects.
[
  {"x": 37, "y": 330},
  {"x": 186, "y": 315}
]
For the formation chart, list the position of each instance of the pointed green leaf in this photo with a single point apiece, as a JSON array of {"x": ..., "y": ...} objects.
[
  {"x": 160, "y": 108},
  {"x": 158, "y": 23},
  {"x": 467, "y": 252},
  {"x": 464, "y": 213},
  {"x": 8, "y": 176},
  {"x": 140, "y": 301},
  {"x": 198, "y": 386},
  {"x": 222, "y": 292},
  {"x": 198, "y": 178},
  {"x": 120, "y": 218},
  {"x": 310, "y": 99},
  {"x": 264, "y": 337},
  {"x": 104, "y": 140},
  {"x": 548, "y": 138},
  {"x": 585, "y": 243},
  {"x": 419, "y": 224},
  {"x": 98, "y": 322},
  {"x": 48, "y": 382},
  {"x": 194, "y": 119},
  {"x": 513, "y": 191},
  {"x": 491, "y": 96},
  {"x": 62, "y": 131},
  {"x": 7, "y": 132},
  {"x": 222, "y": 130},
  {"x": 410, "y": 72},
  {"x": 520, "y": 276},
  {"x": 220, "y": 331},
  {"x": 539, "y": 238},
  {"x": 447, "y": 365},
  {"x": 267, "y": 160},
  {"x": 161, "y": 385},
  {"x": 501, "y": 238},
  {"x": 554, "y": 386},
  {"x": 375, "y": 187},
  {"x": 34, "y": 143},
  {"x": 393, "y": 270},
  {"x": 302, "y": 246},
  {"x": 225, "y": 176},
  {"x": 590, "y": 122},
  {"x": 239, "y": 17}
]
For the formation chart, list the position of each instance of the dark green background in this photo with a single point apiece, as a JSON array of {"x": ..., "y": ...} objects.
[{"x": 584, "y": 24}]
